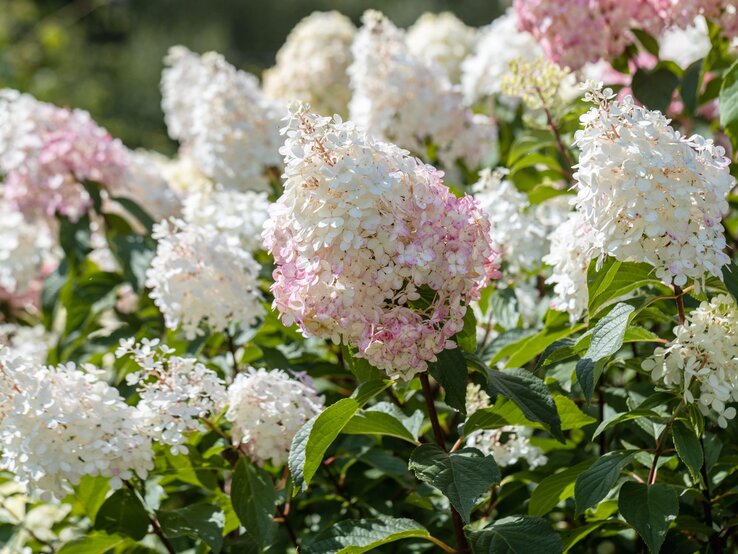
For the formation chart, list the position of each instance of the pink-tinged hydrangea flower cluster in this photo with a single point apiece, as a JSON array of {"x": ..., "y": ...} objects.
[
  {"x": 371, "y": 248},
  {"x": 228, "y": 126},
  {"x": 312, "y": 63},
  {"x": 62, "y": 423},
  {"x": 47, "y": 152},
  {"x": 400, "y": 98},
  {"x": 175, "y": 392},
  {"x": 267, "y": 408},
  {"x": 195, "y": 264},
  {"x": 652, "y": 194},
  {"x": 575, "y": 32},
  {"x": 703, "y": 358}
]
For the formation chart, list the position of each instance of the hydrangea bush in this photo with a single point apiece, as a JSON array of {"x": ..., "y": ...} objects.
[{"x": 443, "y": 289}]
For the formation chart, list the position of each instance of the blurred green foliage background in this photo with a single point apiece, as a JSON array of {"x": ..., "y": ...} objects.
[{"x": 106, "y": 55}]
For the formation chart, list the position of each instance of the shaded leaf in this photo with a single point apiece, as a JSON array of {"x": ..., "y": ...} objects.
[
  {"x": 516, "y": 535},
  {"x": 364, "y": 535},
  {"x": 649, "y": 509},
  {"x": 596, "y": 482}
]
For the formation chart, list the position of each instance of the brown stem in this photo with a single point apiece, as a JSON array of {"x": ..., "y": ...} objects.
[
  {"x": 442, "y": 545},
  {"x": 660, "y": 442},
  {"x": 557, "y": 136},
  {"x": 679, "y": 296},
  {"x": 463, "y": 546},
  {"x": 283, "y": 515},
  {"x": 155, "y": 525}
]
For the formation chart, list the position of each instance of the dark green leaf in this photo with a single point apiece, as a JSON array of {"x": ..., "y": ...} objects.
[
  {"x": 621, "y": 418},
  {"x": 199, "y": 521},
  {"x": 516, "y": 535},
  {"x": 364, "y": 535},
  {"x": 362, "y": 370},
  {"x": 313, "y": 439},
  {"x": 730, "y": 275},
  {"x": 377, "y": 423},
  {"x": 462, "y": 476},
  {"x": 467, "y": 338},
  {"x": 529, "y": 393},
  {"x": 688, "y": 448},
  {"x": 649, "y": 509},
  {"x": 555, "y": 488},
  {"x": 596, "y": 482},
  {"x": 254, "y": 497},
  {"x": 451, "y": 373},
  {"x": 691, "y": 82},
  {"x": 655, "y": 87},
  {"x": 136, "y": 211},
  {"x": 123, "y": 513}
]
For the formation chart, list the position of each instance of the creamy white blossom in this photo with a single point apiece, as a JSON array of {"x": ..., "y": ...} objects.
[
  {"x": 267, "y": 408},
  {"x": 685, "y": 46},
  {"x": 312, "y": 63},
  {"x": 508, "y": 444},
  {"x": 573, "y": 245},
  {"x": 183, "y": 175},
  {"x": 442, "y": 39},
  {"x": 199, "y": 278},
  {"x": 702, "y": 360},
  {"x": 62, "y": 423},
  {"x": 499, "y": 43},
  {"x": 219, "y": 113},
  {"x": 29, "y": 342},
  {"x": 239, "y": 216},
  {"x": 175, "y": 392},
  {"x": 25, "y": 247},
  {"x": 399, "y": 98},
  {"x": 652, "y": 194}
]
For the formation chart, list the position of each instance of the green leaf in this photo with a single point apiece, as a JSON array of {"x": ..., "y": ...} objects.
[
  {"x": 571, "y": 416},
  {"x": 199, "y": 521},
  {"x": 529, "y": 393},
  {"x": 136, "y": 211},
  {"x": 690, "y": 88},
  {"x": 377, "y": 423},
  {"x": 462, "y": 476},
  {"x": 484, "y": 418},
  {"x": 578, "y": 533},
  {"x": 123, "y": 513},
  {"x": 688, "y": 448},
  {"x": 89, "y": 495},
  {"x": 655, "y": 88},
  {"x": 729, "y": 101},
  {"x": 516, "y": 535},
  {"x": 362, "y": 369},
  {"x": 451, "y": 373},
  {"x": 621, "y": 418},
  {"x": 364, "y": 535},
  {"x": 313, "y": 439},
  {"x": 596, "y": 482},
  {"x": 615, "y": 280},
  {"x": 134, "y": 254},
  {"x": 555, "y": 488},
  {"x": 607, "y": 338},
  {"x": 504, "y": 306},
  {"x": 254, "y": 497},
  {"x": 94, "y": 543},
  {"x": 467, "y": 338},
  {"x": 649, "y": 509},
  {"x": 730, "y": 277}
]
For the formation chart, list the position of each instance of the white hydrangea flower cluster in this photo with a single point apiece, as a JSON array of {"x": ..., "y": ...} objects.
[
  {"x": 573, "y": 245},
  {"x": 653, "y": 195},
  {"x": 703, "y": 358},
  {"x": 312, "y": 63},
  {"x": 193, "y": 265},
  {"x": 507, "y": 445},
  {"x": 685, "y": 45},
  {"x": 361, "y": 232},
  {"x": 442, "y": 39},
  {"x": 183, "y": 175},
  {"x": 175, "y": 392},
  {"x": 399, "y": 98},
  {"x": 145, "y": 183},
  {"x": 219, "y": 113},
  {"x": 25, "y": 247},
  {"x": 267, "y": 408},
  {"x": 62, "y": 423},
  {"x": 500, "y": 43},
  {"x": 519, "y": 229},
  {"x": 238, "y": 216},
  {"x": 31, "y": 343}
]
